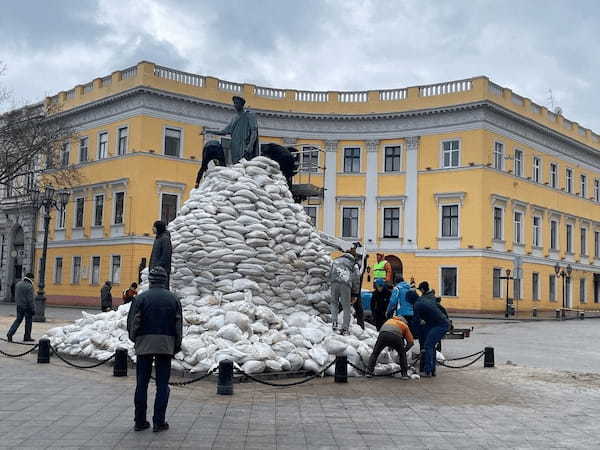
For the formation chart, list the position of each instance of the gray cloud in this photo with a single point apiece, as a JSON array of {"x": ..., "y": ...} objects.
[{"x": 530, "y": 46}]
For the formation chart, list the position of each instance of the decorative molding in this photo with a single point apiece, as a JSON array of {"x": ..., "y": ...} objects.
[
  {"x": 170, "y": 185},
  {"x": 102, "y": 185},
  {"x": 412, "y": 143},
  {"x": 331, "y": 145},
  {"x": 290, "y": 140},
  {"x": 350, "y": 198},
  {"x": 440, "y": 196},
  {"x": 519, "y": 204},
  {"x": 391, "y": 198},
  {"x": 495, "y": 198},
  {"x": 372, "y": 145}
]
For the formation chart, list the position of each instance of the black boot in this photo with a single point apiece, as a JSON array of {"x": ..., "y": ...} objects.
[{"x": 159, "y": 428}]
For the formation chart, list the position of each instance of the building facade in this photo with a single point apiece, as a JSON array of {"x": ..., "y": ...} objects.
[{"x": 456, "y": 182}]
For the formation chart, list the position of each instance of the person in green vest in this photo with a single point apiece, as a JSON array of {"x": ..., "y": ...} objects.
[{"x": 382, "y": 270}]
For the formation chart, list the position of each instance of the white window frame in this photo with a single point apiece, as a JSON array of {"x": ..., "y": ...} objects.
[
  {"x": 556, "y": 236},
  {"x": 92, "y": 270},
  {"x": 553, "y": 180},
  {"x": 360, "y": 157},
  {"x": 100, "y": 133},
  {"x": 315, "y": 225},
  {"x": 73, "y": 269},
  {"x": 85, "y": 139},
  {"x": 400, "y": 168},
  {"x": 342, "y": 222},
  {"x": 496, "y": 156},
  {"x": 95, "y": 208},
  {"x": 118, "y": 146},
  {"x": 536, "y": 174},
  {"x": 501, "y": 293},
  {"x": 552, "y": 279},
  {"x": 494, "y": 237},
  {"x": 596, "y": 244},
  {"x": 65, "y": 150},
  {"x": 75, "y": 226},
  {"x": 62, "y": 266},
  {"x": 441, "y": 222},
  {"x": 569, "y": 242},
  {"x": 520, "y": 161},
  {"x": 114, "y": 207},
  {"x": 569, "y": 180},
  {"x": 520, "y": 228},
  {"x": 583, "y": 185},
  {"x": 383, "y": 208},
  {"x": 443, "y": 153},
  {"x": 583, "y": 283},
  {"x": 164, "y": 142},
  {"x": 535, "y": 287},
  {"x": 583, "y": 230},
  {"x": 160, "y": 206},
  {"x": 61, "y": 217},
  {"x": 597, "y": 190},
  {"x": 536, "y": 236},
  {"x": 306, "y": 148},
  {"x": 441, "y": 291},
  {"x": 112, "y": 266}
]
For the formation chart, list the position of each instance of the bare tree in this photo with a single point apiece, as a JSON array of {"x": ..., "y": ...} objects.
[{"x": 33, "y": 140}]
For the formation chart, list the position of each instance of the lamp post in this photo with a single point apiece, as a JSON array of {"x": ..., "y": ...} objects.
[
  {"x": 47, "y": 200},
  {"x": 507, "y": 278},
  {"x": 563, "y": 273}
]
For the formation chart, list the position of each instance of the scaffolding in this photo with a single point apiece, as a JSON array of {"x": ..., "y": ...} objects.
[{"x": 308, "y": 184}]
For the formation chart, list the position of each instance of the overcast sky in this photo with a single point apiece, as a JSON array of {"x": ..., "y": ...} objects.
[{"x": 528, "y": 45}]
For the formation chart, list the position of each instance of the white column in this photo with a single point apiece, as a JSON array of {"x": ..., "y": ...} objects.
[
  {"x": 329, "y": 207},
  {"x": 371, "y": 194},
  {"x": 411, "y": 190}
]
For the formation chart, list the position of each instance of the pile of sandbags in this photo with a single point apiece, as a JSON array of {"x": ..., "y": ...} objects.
[{"x": 251, "y": 273}]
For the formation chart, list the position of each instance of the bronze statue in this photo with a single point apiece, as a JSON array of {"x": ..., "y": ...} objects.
[{"x": 243, "y": 129}]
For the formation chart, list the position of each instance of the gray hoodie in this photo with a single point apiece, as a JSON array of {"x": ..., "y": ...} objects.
[{"x": 344, "y": 270}]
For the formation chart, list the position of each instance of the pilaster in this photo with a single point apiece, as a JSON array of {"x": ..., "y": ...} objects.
[
  {"x": 411, "y": 190},
  {"x": 329, "y": 207},
  {"x": 371, "y": 193}
]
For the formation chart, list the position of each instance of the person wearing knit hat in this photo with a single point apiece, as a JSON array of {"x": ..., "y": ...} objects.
[
  {"x": 155, "y": 325},
  {"x": 162, "y": 249}
]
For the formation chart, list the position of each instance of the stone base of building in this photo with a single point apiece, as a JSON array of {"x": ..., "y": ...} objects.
[{"x": 75, "y": 300}]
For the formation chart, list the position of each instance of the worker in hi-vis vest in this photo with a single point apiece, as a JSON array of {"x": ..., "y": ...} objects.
[{"x": 382, "y": 270}]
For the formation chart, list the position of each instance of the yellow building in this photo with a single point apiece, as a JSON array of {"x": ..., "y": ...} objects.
[{"x": 455, "y": 181}]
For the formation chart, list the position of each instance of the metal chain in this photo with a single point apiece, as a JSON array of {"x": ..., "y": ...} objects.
[
  {"x": 295, "y": 383},
  {"x": 16, "y": 342},
  {"x": 185, "y": 383},
  {"x": 465, "y": 357},
  {"x": 463, "y": 366},
  {"x": 77, "y": 366},
  {"x": 20, "y": 354}
]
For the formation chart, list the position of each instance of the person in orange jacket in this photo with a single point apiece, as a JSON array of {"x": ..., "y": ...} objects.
[{"x": 394, "y": 333}]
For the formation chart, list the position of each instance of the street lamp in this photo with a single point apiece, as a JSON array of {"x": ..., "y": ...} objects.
[
  {"x": 507, "y": 278},
  {"x": 561, "y": 272},
  {"x": 45, "y": 199}
]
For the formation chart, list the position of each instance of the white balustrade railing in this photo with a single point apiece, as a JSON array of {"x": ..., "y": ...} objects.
[
  {"x": 393, "y": 94},
  {"x": 595, "y": 137},
  {"x": 312, "y": 96},
  {"x": 581, "y": 131},
  {"x": 130, "y": 72},
  {"x": 353, "y": 97},
  {"x": 106, "y": 81},
  {"x": 269, "y": 92},
  {"x": 450, "y": 87},
  {"x": 495, "y": 89},
  {"x": 518, "y": 100},
  {"x": 71, "y": 93},
  {"x": 229, "y": 86},
  {"x": 536, "y": 109},
  {"x": 567, "y": 124},
  {"x": 551, "y": 116},
  {"x": 88, "y": 87},
  {"x": 178, "y": 76}
]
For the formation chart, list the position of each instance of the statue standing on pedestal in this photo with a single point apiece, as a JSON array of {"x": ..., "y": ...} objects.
[{"x": 243, "y": 129}]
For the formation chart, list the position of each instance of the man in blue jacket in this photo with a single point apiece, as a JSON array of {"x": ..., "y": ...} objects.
[
  {"x": 155, "y": 325},
  {"x": 433, "y": 325}
]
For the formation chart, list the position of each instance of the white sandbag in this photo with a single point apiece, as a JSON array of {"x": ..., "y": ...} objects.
[{"x": 237, "y": 318}]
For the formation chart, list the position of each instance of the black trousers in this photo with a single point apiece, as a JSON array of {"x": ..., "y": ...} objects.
[
  {"x": 392, "y": 340},
  {"x": 22, "y": 313},
  {"x": 359, "y": 312},
  {"x": 143, "y": 371}
]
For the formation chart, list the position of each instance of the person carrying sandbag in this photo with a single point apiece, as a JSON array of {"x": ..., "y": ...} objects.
[
  {"x": 394, "y": 334},
  {"x": 344, "y": 279}
]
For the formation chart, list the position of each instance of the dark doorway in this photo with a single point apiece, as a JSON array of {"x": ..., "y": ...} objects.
[
  {"x": 17, "y": 255},
  {"x": 597, "y": 288},
  {"x": 396, "y": 264}
]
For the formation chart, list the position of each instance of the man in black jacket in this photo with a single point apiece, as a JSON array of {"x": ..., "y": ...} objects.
[
  {"x": 379, "y": 302},
  {"x": 155, "y": 325},
  {"x": 162, "y": 249},
  {"x": 25, "y": 308}
]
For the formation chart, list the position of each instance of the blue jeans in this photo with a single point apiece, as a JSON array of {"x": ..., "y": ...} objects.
[
  {"x": 431, "y": 336},
  {"x": 143, "y": 371}
]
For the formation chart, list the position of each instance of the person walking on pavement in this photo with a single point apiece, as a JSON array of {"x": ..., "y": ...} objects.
[
  {"x": 106, "y": 303},
  {"x": 130, "y": 293},
  {"x": 25, "y": 308},
  {"x": 344, "y": 280},
  {"x": 379, "y": 302},
  {"x": 383, "y": 270},
  {"x": 394, "y": 334},
  {"x": 162, "y": 249},
  {"x": 155, "y": 325},
  {"x": 433, "y": 326}
]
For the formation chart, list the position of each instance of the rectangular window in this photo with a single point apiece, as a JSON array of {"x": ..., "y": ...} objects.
[
  {"x": 172, "y": 142},
  {"x": 535, "y": 286},
  {"x": 391, "y": 222},
  {"x": 102, "y": 145},
  {"x": 597, "y": 244},
  {"x": 553, "y": 235},
  {"x": 497, "y": 283},
  {"x": 310, "y": 159},
  {"x": 498, "y": 223},
  {"x": 583, "y": 241},
  {"x": 553, "y": 175},
  {"x": 582, "y": 296},
  {"x": 79, "y": 206},
  {"x": 449, "y": 282},
  {"x": 64, "y": 154},
  {"x": 537, "y": 232},
  {"x": 115, "y": 272},
  {"x": 168, "y": 207},
  {"x": 122, "y": 136},
  {"x": 552, "y": 288},
  {"x": 537, "y": 169},
  {"x": 518, "y": 236},
  {"x": 76, "y": 274},
  {"x": 569, "y": 180},
  {"x": 597, "y": 190},
  {"x": 393, "y": 157},
  {"x": 569, "y": 237},
  {"x": 517, "y": 289},
  {"x": 352, "y": 160},
  {"x": 349, "y": 222},
  {"x": 451, "y": 153},
  {"x": 450, "y": 221},
  {"x": 311, "y": 212},
  {"x": 61, "y": 216},
  {"x": 83, "y": 150},
  {"x": 583, "y": 187},
  {"x": 95, "y": 278},
  {"x": 519, "y": 163},
  {"x": 498, "y": 155},
  {"x": 119, "y": 203},
  {"x": 98, "y": 210},
  {"x": 58, "y": 268}
]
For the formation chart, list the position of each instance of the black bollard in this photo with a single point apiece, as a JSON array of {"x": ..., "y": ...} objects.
[
  {"x": 341, "y": 369},
  {"x": 557, "y": 312},
  {"x": 225, "y": 380},
  {"x": 422, "y": 362},
  {"x": 534, "y": 312},
  {"x": 581, "y": 315},
  {"x": 44, "y": 351},
  {"x": 488, "y": 357},
  {"x": 120, "y": 369},
  {"x": 563, "y": 314}
]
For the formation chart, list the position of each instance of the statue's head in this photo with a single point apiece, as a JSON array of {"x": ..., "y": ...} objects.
[{"x": 238, "y": 103}]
